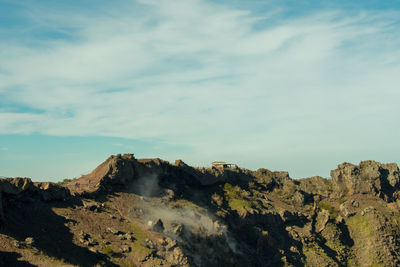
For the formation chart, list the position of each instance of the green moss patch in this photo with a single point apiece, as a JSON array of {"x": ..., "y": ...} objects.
[
  {"x": 237, "y": 201},
  {"x": 333, "y": 213},
  {"x": 139, "y": 247},
  {"x": 359, "y": 224}
]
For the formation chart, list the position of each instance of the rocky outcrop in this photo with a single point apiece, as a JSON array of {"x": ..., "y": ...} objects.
[
  {"x": 316, "y": 186},
  {"x": 15, "y": 186},
  {"x": 52, "y": 191},
  {"x": 158, "y": 226},
  {"x": 116, "y": 170},
  {"x": 25, "y": 189},
  {"x": 12, "y": 186},
  {"x": 125, "y": 171},
  {"x": 24, "y": 186},
  {"x": 369, "y": 177}
]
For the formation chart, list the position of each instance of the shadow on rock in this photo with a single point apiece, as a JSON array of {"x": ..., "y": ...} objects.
[
  {"x": 11, "y": 259},
  {"x": 50, "y": 235}
]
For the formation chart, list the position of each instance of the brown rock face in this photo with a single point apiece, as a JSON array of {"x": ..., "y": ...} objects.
[
  {"x": 116, "y": 170},
  {"x": 321, "y": 220},
  {"x": 369, "y": 177}
]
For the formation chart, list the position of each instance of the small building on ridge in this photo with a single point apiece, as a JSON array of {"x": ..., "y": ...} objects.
[{"x": 223, "y": 165}]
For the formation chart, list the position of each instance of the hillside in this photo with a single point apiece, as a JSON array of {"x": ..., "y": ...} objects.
[{"x": 148, "y": 212}]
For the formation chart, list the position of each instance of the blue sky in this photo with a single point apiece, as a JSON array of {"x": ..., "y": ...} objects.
[{"x": 299, "y": 86}]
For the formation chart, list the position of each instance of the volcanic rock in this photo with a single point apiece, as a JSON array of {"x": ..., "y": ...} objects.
[
  {"x": 52, "y": 191},
  {"x": 369, "y": 177},
  {"x": 158, "y": 226},
  {"x": 30, "y": 241},
  {"x": 15, "y": 186},
  {"x": 205, "y": 217}
]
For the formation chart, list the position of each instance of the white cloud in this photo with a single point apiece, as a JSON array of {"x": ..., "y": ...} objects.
[
  {"x": 19, "y": 123},
  {"x": 199, "y": 74}
]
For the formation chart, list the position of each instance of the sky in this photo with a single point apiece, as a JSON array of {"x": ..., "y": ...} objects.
[{"x": 299, "y": 86}]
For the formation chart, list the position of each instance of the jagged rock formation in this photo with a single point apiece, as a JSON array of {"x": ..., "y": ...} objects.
[
  {"x": 148, "y": 212},
  {"x": 24, "y": 187},
  {"x": 27, "y": 190},
  {"x": 370, "y": 177}
]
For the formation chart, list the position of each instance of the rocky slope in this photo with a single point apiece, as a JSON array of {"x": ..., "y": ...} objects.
[{"x": 148, "y": 212}]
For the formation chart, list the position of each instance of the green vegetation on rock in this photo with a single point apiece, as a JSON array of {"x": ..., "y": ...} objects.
[
  {"x": 237, "y": 201},
  {"x": 333, "y": 213},
  {"x": 360, "y": 225},
  {"x": 139, "y": 246}
]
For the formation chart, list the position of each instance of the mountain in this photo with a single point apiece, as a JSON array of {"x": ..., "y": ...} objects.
[{"x": 148, "y": 212}]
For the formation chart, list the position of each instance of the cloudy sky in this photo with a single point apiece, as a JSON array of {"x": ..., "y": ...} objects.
[{"x": 299, "y": 86}]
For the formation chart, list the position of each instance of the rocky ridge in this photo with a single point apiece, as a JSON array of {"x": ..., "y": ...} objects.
[{"x": 148, "y": 212}]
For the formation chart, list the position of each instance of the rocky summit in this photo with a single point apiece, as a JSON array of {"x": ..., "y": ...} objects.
[{"x": 148, "y": 212}]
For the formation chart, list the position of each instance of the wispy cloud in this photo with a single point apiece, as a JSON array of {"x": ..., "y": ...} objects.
[{"x": 222, "y": 80}]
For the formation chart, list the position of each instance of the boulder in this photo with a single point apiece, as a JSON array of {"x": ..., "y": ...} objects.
[
  {"x": 114, "y": 231},
  {"x": 168, "y": 195},
  {"x": 346, "y": 209},
  {"x": 129, "y": 236},
  {"x": 158, "y": 226},
  {"x": 83, "y": 237},
  {"x": 321, "y": 220},
  {"x": 86, "y": 239},
  {"x": 92, "y": 206},
  {"x": 125, "y": 249},
  {"x": 177, "y": 229},
  {"x": 367, "y": 209},
  {"x": 30, "y": 241},
  {"x": 91, "y": 242}
]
